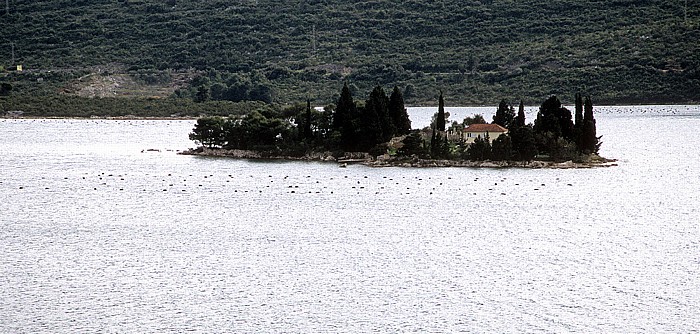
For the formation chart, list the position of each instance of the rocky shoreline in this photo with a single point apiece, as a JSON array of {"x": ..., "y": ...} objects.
[{"x": 386, "y": 161}]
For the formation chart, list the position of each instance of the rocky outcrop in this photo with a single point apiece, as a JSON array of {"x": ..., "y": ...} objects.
[
  {"x": 536, "y": 164},
  {"x": 250, "y": 154}
]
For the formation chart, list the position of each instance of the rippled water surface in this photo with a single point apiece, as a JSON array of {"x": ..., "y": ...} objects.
[{"x": 100, "y": 234}]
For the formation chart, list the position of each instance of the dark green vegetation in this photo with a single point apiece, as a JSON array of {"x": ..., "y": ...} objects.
[
  {"x": 73, "y": 106},
  {"x": 381, "y": 126},
  {"x": 299, "y": 130},
  {"x": 620, "y": 51},
  {"x": 553, "y": 136}
]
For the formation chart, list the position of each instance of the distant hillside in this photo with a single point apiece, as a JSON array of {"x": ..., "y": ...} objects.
[{"x": 477, "y": 52}]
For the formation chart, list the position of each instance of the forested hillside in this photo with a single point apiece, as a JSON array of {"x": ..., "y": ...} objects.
[{"x": 476, "y": 52}]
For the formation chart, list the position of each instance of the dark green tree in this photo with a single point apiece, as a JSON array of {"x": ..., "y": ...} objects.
[
  {"x": 590, "y": 143},
  {"x": 409, "y": 92},
  {"x": 412, "y": 145},
  {"x": 375, "y": 124},
  {"x": 5, "y": 89},
  {"x": 398, "y": 113},
  {"x": 260, "y": 92},
  {"x": 561, "y": 149},
  {"x": 554, "y": 118},
  {"x": 342, "y": 108},
  {"x": 233, "y": 133},
  {"x": 520, "y": 119},
  {"x": 578, "y": 119},
  {"x": 345, "y": 120},
  {"x": 505, "y": 115},
  {"x": 439, "y": 147},
  {"x": 480, "y": 149},
  {"x": 578, "y": 122},
  {"x": 208, "y": 132},
  {"x": 202, "y": 94},
  {"x": 476, "y": 119},
  {"x": 502, "y": 148},
  {"x": 434, "y": 143},
  {"x": 261, "y": 132},
  {"x": 381, "y": 102},
  {"x": 524, "y": 144},
  {"x": 440, "y": 122}
]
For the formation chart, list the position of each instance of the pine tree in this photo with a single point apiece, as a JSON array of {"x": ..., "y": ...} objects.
[
  {"x": 440, "y": 124},
  {"x": 209, "y": 132},
  {"x": 398, "y": 113}
]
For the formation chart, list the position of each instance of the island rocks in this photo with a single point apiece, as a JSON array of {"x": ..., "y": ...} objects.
[{"x": 387, "y": 161}]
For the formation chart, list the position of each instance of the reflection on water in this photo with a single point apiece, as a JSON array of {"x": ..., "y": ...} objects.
[{"x": 97, "y": 236}]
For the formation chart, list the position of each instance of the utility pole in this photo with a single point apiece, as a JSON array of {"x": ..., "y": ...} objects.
[
  {"x": 685, "y": 11},
  {"x": 13, "y": 54},
  {"x": 7, "y": 7}
]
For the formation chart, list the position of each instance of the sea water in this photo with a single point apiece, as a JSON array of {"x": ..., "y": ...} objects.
[{"x": 104, "y": 228}]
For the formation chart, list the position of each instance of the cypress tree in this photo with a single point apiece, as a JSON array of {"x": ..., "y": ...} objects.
[
  {"x": 578, "y": 123},
  {"x": 520, "y": 119},
  {"x": 439, "y": 146},
  {"x": 589, "y": 141},
  {"x": 578, "y": 119},
  {"x": 440, "y": 123},
  {"x": 505, "y": 115},
  {"x": 342, "y": 110},
  {"x": 398, "y": 113},
  {"x": 345, "y": 118},
  {"x": 377, "y": 124}
]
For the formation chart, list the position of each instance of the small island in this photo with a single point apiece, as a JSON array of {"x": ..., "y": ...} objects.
[{"x": 378, "y": 133}]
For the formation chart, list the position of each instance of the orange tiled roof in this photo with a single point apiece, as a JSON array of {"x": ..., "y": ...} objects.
[{"x": 485, "y": 128}]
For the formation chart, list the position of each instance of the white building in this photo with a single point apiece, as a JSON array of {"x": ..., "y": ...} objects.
[{"x": 482, "y": 130}]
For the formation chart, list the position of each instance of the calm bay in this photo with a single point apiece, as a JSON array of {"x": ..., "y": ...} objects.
[{"x": 104, "y": 228}]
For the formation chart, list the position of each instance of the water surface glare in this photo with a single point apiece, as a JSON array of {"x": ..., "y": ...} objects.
[{"x": 100, "y": 234}]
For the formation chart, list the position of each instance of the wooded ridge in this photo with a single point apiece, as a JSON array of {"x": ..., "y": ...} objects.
[{"x": 477, "y": 52}]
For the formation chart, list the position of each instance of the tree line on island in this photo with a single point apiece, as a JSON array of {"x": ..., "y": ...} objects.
[{"x": 381, "y": 126}]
